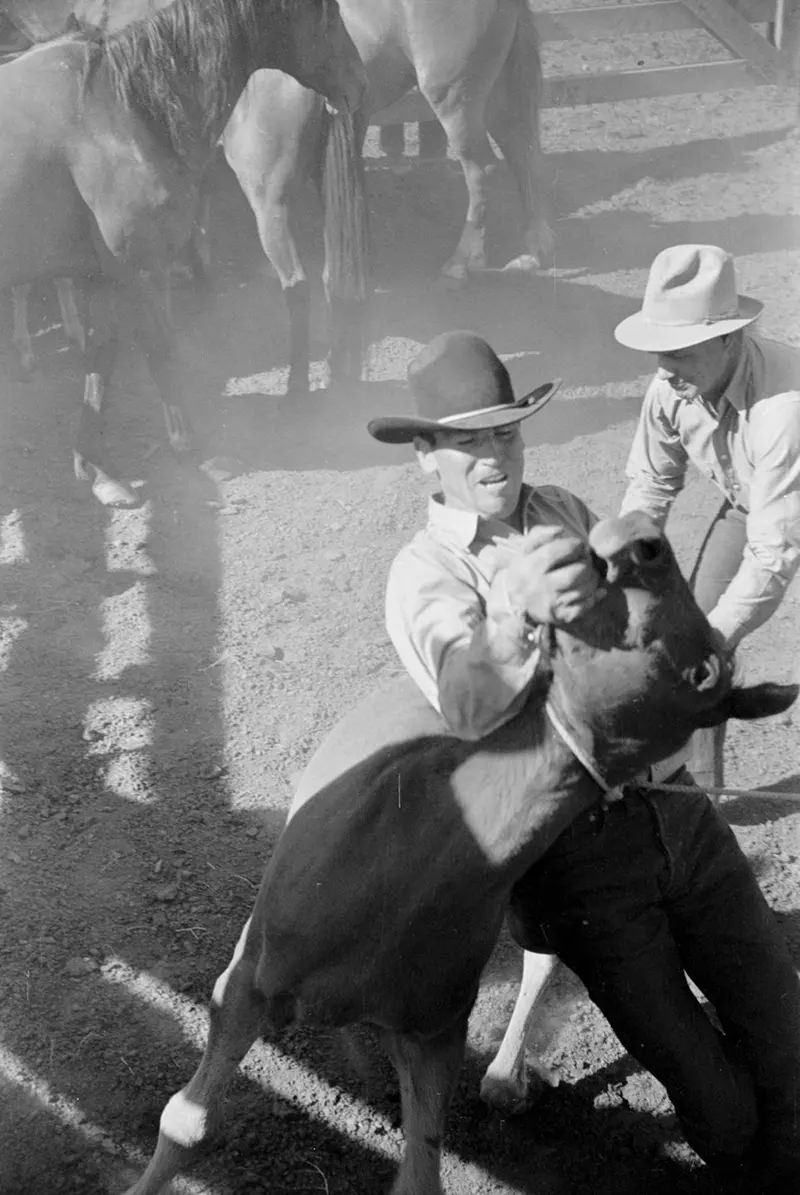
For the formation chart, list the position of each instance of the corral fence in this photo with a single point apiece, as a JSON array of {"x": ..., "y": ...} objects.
[{"x": 761, "y": 36}]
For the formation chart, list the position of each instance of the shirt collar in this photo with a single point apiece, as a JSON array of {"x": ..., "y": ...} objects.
[
  {"x": 463, "y": 527},
  {"x": 738, "y": 388}
]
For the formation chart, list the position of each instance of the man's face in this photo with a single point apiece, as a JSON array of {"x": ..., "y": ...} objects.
[
  {"x": 702, "y": 369},
  {"x": 479, "y": 471}
]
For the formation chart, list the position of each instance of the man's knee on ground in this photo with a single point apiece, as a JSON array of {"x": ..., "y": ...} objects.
[{"x": 725, "y": 1131}]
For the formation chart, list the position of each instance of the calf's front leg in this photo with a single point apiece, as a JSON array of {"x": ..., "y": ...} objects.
[{"x": 513, "y": 1084}]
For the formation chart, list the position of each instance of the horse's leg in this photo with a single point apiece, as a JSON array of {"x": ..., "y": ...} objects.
[
  {"x": 463, "y": 121},
  {"x": 70, "y": 316},
  {"x": 458, "y": 84},
  {"x": 198, "y": 248},
  {"x": 270, "y": 143},
  {"x": 194, "y": 259},
  {"x": 427, "y": 1069},
  {"x": 21, "y": 334},
  {"x": 393, "y": 140},
  {"x": 194, "y": 1116},
  {"x": 511, "y": 1085},
  {"x": 271, "y": 198},
  {"x": 513, "y": 118},
  {"x": 99, "y": 357},
  {"x": 155, "y": 335}
]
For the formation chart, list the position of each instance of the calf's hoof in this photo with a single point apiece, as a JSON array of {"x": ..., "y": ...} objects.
[{"x": 513, "y": 1095}]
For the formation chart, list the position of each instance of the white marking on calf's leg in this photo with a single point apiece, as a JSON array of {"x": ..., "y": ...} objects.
[{"x": 512, "y": 1084}]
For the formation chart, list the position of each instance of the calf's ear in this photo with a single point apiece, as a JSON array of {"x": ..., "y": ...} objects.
[{"x": 753, "y": 701}]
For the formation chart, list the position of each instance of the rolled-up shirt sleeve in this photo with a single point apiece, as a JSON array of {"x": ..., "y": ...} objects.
[
  {"x": 657, "y": 462},
  {"x": 473, "y": 661},
  {"x": 772, "y": 553}
]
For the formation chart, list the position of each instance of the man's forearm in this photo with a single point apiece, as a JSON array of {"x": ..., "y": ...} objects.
[
  {"x": 652, "y": 495},
  {"x": 752, "y": 597},
  {"x": 484, "y": 683}
]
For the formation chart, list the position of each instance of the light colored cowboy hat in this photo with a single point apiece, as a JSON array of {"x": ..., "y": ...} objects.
[
  {"x": 690, "y": 297},
  {"x": 458, "y": 382}
]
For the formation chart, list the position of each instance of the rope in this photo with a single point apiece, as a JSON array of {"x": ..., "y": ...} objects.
[
  {"x": 724, "y": 790},
  {"x": 571, "y": 743}
]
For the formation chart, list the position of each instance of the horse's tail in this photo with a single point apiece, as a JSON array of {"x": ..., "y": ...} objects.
[
  {"x": 524, "y": 65},
  {"x": 347, "y": 249},
  {"x": 524, "y": 90}
]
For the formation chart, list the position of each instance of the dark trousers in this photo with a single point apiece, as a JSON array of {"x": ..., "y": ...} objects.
[
  {"x": 632, "y": 896},
  {"x": 717, "y": 564}
]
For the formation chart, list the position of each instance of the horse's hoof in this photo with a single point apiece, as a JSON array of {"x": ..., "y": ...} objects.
[
  {"x": 221, "y": 468},
  {"x": 81, "y": 467},
  {"x": 527, "y": 263},
  {"x": 451, "y": 280},
  {"x": 113, "y": 493}
]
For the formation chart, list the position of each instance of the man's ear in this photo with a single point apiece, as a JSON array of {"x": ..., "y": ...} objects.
[{"x": 426, "y": 454}]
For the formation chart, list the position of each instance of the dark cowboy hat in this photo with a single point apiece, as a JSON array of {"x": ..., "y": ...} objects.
[{"x": 458, "y": 382}]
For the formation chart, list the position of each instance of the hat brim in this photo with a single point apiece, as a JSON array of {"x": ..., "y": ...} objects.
[
  {"x": 636, "y": 332},
  {"x": 401, "y": 429}
]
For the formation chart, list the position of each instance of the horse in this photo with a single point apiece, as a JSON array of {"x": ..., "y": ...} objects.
[
  {"x": 386, "y": 891},
  {"x": 338, "y": 176},
  {"x": 475, "y": 61},
  {"x": 105, "y": 138}
]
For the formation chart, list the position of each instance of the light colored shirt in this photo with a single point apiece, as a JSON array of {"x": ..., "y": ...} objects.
[
  {"x": 748, "y": 444},
  {"x": 448, "y": 615}
]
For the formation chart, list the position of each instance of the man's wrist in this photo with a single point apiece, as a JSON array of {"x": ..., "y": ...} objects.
[{"x": 531, "y": 629}]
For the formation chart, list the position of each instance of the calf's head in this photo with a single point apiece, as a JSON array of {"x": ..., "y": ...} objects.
[{"x": 643, "y": 669}]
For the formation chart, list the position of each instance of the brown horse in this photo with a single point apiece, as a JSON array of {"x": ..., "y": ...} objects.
[
  {"x": 477, "y": 64},
  {"x": 104, "y": 141},
  {"x": 385, "y": 894}
]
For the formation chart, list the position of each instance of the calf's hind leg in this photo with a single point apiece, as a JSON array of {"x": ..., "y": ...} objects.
[
  {"x": 194, "y": 1116},
  {"x": 427, "y": 1068}
]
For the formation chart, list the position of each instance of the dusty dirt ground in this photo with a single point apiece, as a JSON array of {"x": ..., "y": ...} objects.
[{"x": 166, "y": 671}]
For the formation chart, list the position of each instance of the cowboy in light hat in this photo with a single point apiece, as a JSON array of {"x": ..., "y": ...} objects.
[
  {"x": 729, "y": 404},
  {"x": 617, "y": 897}
]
